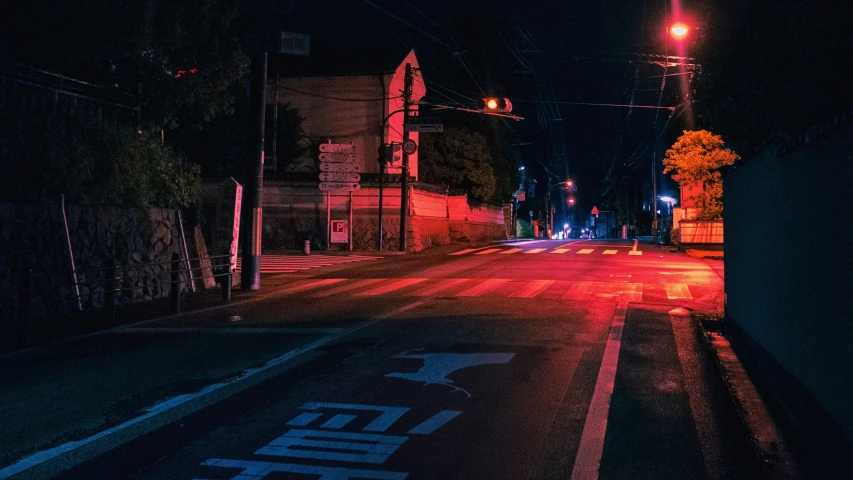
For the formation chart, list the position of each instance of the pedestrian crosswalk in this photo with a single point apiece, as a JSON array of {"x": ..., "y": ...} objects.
[
  {"x": 559, "y": 250},
  {"x": 579, "y": 291},
  {"x": 297, "y": 263}
]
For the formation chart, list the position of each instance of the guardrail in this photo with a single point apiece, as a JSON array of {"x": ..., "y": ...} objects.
[{"x": 96, "y": 293}]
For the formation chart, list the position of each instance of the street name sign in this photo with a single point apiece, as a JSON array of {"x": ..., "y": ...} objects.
[
  {"x": 340, "y": 167},
  {"x": 339, "y": 177},
  {"x": 337, "y": 157},
  {"x": 337, "y": 148},
  {"x": 333, "y": 186},
  {"x": 425, "y": 128}
]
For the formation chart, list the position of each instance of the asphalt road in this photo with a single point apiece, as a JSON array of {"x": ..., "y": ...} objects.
[{"x": 546, "y": 359}]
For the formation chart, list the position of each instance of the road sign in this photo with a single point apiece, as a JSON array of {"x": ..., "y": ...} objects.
[
  {"x": 332, "y": 186},
  {"x": 339, "y": 177},
  {"x": 337, "y": 148},
  {"x": 340, "y": 232},
  {"x": 520, "y": 195},
  {"x": 409, "y": 146},
  {"x": 425, "y": 128},
  {"x": 340, "y": 167},
  {"x": 595, "y": 210},
  {"x": 337, "y": 157}
]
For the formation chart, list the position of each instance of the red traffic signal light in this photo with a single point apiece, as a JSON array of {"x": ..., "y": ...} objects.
[{"x": 493, "y": 104}]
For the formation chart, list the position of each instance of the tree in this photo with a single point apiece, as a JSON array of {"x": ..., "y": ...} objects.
[
  {"x": 183, "y": 55},
  {"x": 458, "y": 159},
  {"x": 696, "y": 158}
]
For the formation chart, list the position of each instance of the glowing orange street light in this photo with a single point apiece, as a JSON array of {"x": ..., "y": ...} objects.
[{"x": 678, "y": 31}]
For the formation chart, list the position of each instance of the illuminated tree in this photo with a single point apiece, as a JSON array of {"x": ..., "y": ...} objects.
[{"x": 695, "y": 159}]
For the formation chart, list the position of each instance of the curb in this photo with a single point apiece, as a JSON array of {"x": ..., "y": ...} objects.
[{"x": 778, "y": 460}]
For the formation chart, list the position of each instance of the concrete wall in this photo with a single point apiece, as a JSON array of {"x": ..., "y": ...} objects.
[
  {"x": 789, "y": 283},
  {"x": 295, "y": 212}
]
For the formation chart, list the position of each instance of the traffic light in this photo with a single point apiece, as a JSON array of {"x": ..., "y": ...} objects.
[
  {"x": 394, "y": 154},
  {"x": 497, "y": 105}
]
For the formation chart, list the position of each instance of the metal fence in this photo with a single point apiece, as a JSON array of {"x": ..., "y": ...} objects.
[{"x": 37, "y": 307}]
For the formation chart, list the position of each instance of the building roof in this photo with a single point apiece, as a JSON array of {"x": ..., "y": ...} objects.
[{"x": 331, "y": 58}]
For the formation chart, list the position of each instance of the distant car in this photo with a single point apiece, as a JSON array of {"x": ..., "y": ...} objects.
[{"x": 584, "y": 235}]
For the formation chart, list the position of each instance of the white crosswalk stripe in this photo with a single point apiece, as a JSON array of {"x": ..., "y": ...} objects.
[
  {"x": 561, "y": 249},
  {"x": 297, "y": 263},
  {"x": 476, "y": 287}
]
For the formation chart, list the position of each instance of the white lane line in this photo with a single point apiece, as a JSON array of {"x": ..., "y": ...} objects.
[
  {"x": 677, "y": 291},
  {"x": 609, "y": 252},
  {"x": 488, "y": 251},
  {"x": 591, "y": 446},
  {"x": 535, "y": 250},
  {"x": 406, "y": 282},
  {"x": 579, "y": 291},
  {"x": 585, "y": 251},
  {"x": 560, "y": 250},
  {"x": 433, "y": 423},
  {"x": 439, "y": 287},
  {"x": 347, "y": 288},
  {"x": 533, "y": 288},
  {"x": 177, "y": 407},
  {"x": 483, "y": 287},
  {"x": 463, "y": 252},
  {"x": 511, "y": 250},
  {"x": 635, "y": 252}
]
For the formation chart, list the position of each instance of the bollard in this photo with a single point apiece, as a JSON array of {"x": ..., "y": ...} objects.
[
  {"x": 307, "y": 248},
  {"x": 226, "y": 286},
  {"x": 177, "y": 284},
  {"x": 110, "y": 283},
  {"x": 22, "y": 325}
]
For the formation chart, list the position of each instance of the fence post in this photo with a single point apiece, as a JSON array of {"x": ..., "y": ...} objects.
[
  {"x": 110, "y": 281},
  {"x": 22, "y": 325},
  {"x": 226, "y": 285},
  {"x": 175, "y": 291}
]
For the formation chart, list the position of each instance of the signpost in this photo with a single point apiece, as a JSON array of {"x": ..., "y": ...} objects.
[
  {"x": 340, "y": 167},
  {"x": 344, "y": 186},
  {"x": 337, "y": 157},
  {"x": 337, "y": 148},
  {"x": 339, "y": 177}
]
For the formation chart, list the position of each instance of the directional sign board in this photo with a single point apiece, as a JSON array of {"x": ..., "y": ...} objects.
[
  {"x": 339, "y": 177},
  {"x": 337, "y": 148},
  {"x": 337, "y": 157},
  {"x": 424, "y": 124},
  {"x": 340, "y": 167},
  {"x": 332, "y": 186}
]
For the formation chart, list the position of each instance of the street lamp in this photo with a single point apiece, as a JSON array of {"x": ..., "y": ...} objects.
[{"x": 678, "y": 31}]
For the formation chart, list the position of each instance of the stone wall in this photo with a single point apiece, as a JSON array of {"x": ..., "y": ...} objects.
[{"x": 138, "y": 241}]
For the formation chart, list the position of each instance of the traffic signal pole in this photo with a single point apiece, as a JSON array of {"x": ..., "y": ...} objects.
[
  {"x": 254, "y": 188},
  {"x": 404, "y": 182}
]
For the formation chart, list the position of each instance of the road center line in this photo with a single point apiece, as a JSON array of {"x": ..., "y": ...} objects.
[
  {"x": 79, "y": 451},
  {"x": 588, "y": 459}
]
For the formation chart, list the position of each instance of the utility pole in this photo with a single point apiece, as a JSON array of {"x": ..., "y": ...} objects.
[
  {"x": 254, "y": 189},
  {"x": 404, "y": 181}
]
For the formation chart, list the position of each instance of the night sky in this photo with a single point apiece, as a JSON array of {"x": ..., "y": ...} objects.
[{"x": 570, "y": 52}]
